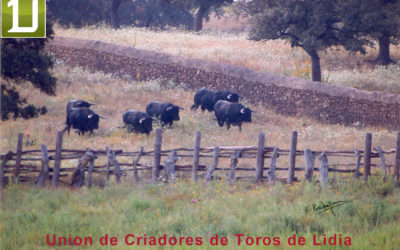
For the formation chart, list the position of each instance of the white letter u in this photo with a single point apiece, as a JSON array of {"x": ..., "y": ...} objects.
[{"x": 15, "y": 20}]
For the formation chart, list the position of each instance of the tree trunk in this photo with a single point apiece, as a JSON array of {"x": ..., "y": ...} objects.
[
  {"x": 316, "y": 66},
  {"x": 114, "y": 16},
  {"x": 198, "y": 19},
  {"x": 384, "y": 50}
]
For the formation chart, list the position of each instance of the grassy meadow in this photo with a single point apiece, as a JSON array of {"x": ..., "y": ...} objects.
[{"x": 371, "y": 220}]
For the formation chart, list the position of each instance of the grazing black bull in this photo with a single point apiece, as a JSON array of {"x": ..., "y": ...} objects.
[
  {"x": 137, "y": 121},
  {"x": 207, "y": 98},
  {"x": 231, "y": 113},
  {"x": 166, "y": 113},
  {"x": 76, "y": 104},
  {"x": 83, "y": 120}
]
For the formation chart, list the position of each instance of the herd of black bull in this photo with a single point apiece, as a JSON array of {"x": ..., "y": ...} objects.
[{"x": 224, "y": 104}]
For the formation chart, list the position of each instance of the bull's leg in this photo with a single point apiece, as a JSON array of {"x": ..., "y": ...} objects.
[
  {"x": 240, "y": 127},
  {"x": 194, "y": 107},
  {"x": 203, "y": 108},
  {"x": 210, "y": 107},
  {"x": 220, "y": 123},
  {"x": 228, "y": 125}
]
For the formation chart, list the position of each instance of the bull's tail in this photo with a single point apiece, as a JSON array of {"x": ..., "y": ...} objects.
[{"x": 194, "y": 107}]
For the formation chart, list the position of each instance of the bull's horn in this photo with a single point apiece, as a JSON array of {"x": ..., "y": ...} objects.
[
  {"x": 141, "y": 120},
  {"x": 90, "y": 116},
  {"x": 169, "y": 108},
  {"x": 92, "y": 103},
  {"x": 181, "y": 108},
  {"x": 240, "y": 96},
  {"x": 253, "y": 111},
  {"x": 242, "y": 111},
  {"x": 102, "y": 117},
  {"x": 229, "y": 96}
]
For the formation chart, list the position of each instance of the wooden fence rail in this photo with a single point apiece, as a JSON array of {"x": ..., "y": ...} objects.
[{"x": 25, "y": 166}]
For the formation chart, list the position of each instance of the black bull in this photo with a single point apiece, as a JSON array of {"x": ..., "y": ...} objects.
[
  {"x": 207, "y": 98},
  {"x": 82, "y": 119},
  {"x": 167, "y": 113},
  {"x": 137, "y": 121},
  {"x": 77, "y": 104},
  {"x": 231, "y": 113}
]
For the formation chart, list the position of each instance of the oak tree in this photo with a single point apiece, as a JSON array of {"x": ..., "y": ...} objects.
[
  {"x": 375, "y": 20},
  {"x": 313, "y": 25},
  {"x": 23, "y": 61}
]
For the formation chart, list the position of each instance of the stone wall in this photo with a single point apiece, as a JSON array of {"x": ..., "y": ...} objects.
[{"x": 285, "y": 95}]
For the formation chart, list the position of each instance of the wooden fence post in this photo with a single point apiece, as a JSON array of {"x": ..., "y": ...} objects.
[
  {"x": 157, "y": 154},
  {"x": 271, "y": 171},
  {"x": 233, "y": 166},
  {"x": 169, "y": 166},
  {"x": 78, "y": 177},
  {"x": 44, "y": 173},
  {"x": 397, "y": 161},
  {"x": 117, "y": 169},
  {"x": 210, "y": 170},
  {"x": 367, "y": 156},
  {"x": 57, "y": 157},
  {"x": 379, "y": 149},
  {"x": 89, "y": 174},
  {"x": 309, "y": 162},
  {"x": 260, "y": 157},
  {"x": 292, "y": 157},
  {"x": 196, "y": 154},
  {"x": 323, "y": 169},
  {"x": 135, "y": 163},
  {"x": 7, "y": 157},
  {"x": 18, "y": 157},
  {"x": 109, "y": 161},
  {"x": 358, "y": 163}
]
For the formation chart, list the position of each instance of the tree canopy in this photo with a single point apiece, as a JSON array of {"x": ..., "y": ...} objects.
[
  {"x": 155, "y": 14},
  {"x": 23, "y": 61},
  {"x": 77, "y": 13},
  {"x": 375, "y": 20}
]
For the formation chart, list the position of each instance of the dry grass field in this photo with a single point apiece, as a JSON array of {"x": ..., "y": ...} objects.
[
  {"x": 214, "y": 44},
  {"x": 114, "y": 96}
]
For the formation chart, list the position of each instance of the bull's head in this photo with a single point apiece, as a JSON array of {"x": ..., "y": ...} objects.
[
  {"x": 174, "y": 112},
  {"x": 246, "y": 114},
  {"x": 232, "y": 97},
  {"x": 93, "y": 122},
  {"x": 146, "y": 125}
]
